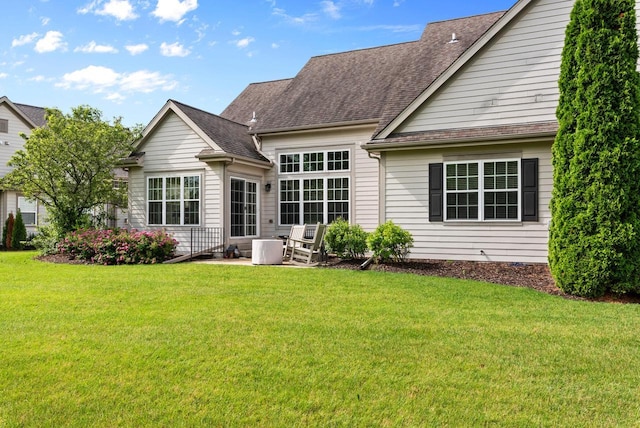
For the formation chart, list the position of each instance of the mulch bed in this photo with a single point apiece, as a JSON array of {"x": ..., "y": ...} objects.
[{"x": 536, "y": 276}]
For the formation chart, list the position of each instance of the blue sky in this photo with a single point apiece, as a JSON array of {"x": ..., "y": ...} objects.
[{"x": 127, "y": 57}]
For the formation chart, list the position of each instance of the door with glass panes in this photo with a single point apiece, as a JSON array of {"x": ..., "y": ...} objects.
[{"x": 244, "y": 207}]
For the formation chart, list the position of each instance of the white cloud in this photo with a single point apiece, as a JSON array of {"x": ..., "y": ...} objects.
[
  {"x": 331, "y": 9},
  {"x": 98, "y": 78},
  {"x": 45, "y": 21},
  {"x": 24, "y": 39},
  {"x": 173, "y": 49},
  {"x": 137, "y": 49},
  {"x": 275, "y": 45},
  {"x": 174, "y": 10},
  {"x": 93, "y": 47},
  {"x": 243, "y": 43},
  {"x": 116, "y": 86},
  {"x": 296, "y": 20},
  {"x": 3, "y": 75},
  {"x": 122, "y": 10},
  {"x": 147, "y": 81},
  {"x": 52, "y": 41},
  {"x": 38, "y": 78}
]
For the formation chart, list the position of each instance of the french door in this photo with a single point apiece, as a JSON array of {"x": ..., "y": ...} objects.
[{"x": 244, "y": 208}]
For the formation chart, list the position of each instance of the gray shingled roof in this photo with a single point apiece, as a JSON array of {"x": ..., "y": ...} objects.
[
  {"x": 370, "y": 84},
  {"x": 233, "y": 138},
  {"x": 255, "y": 98},
  {"x": 35, "y": 114}
]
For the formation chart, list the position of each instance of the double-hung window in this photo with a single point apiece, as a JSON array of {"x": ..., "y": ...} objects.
[
  {"x": 173, "y": 200},
  {"x": 484, "y": 190},
  {"x": 314, "y": 187}
]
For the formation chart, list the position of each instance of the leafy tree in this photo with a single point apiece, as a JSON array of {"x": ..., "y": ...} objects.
[
  {"x": 594, "y": 242},
  {"x": 19, "y": 233},
  {"x": 69, "y": 164}
]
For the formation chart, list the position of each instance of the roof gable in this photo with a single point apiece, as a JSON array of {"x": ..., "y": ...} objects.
[
  {"x": 393, "y": 120},
  {"x": 33, "y": 116},
  {"x": 230, "y": 137}
]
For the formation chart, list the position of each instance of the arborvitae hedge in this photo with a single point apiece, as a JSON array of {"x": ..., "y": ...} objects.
[
  {"x": 19, "y": 234},
  {"x": 594, "y": 242}
]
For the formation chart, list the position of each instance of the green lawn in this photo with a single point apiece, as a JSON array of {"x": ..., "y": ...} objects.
[{"x": 215, "y": 345}]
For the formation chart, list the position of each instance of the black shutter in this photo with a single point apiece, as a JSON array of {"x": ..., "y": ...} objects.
[
  {"x": 529, "y": 189},
  {"x": 436, "y": 191}
]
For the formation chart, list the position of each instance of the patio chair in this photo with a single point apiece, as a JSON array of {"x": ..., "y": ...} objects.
[
  {"x": 296, "y": 234},
  {"x": 308, "y": 251}
]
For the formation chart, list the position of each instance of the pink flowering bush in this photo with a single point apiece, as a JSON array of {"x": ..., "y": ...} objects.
[{"x": 117, "y": 247}]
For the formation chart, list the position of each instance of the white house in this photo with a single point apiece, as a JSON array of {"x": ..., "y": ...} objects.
[
  {"x": 449, "y": 136},
  {"x": 16, "y": 119}
]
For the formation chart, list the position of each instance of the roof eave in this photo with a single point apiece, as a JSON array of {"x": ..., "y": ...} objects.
[
  {"x": 233, "y": 159},
  {"x": 388, "y": 146},
  {"x": 314, "y": 127}
]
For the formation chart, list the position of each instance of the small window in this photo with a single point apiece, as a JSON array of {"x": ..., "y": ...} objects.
[
  {"x": 338, "y": 161},
  {"x": 4, "y": 126},
  {"x": 313, "y": 162},
  {"x": 290, "y": 163},
  {"x": 29, "y": 210}
]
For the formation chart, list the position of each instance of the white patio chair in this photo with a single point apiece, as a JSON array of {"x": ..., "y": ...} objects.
[
  {"x": 296, "y": 234},
  {"x": 308, "y": 251}
]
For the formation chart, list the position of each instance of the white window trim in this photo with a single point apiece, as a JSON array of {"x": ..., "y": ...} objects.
[
  {"x": 325, "y": 200},
  {"x": 325, "y": 162},
  {"x": 182, "y": 199},
  {"x": 481, "y": 191}
]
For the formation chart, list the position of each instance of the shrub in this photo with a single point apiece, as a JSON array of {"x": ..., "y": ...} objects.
[
  {"x": 116, "y": 247},
  {"x": 390, "y": 242},
  {"x": 19, "y": 233},
  {"x": 345, "y": 240},
  {"x": 47, "y": 239},
  {"x": 595, "y": 204},
  {"x": 7, "y": 232}
]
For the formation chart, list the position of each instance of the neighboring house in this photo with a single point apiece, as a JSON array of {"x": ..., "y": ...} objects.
[
  {"x": 449, "y": 136},
  {"x": 16, "y": 119}
]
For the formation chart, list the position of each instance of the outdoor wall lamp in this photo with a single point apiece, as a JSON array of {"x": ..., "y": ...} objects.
[{"x": 267, "y": 187}]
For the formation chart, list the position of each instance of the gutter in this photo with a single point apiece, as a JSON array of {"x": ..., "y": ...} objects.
[
  {"x": 382, "y": 146},
  {"x": 231, "y": 159}
]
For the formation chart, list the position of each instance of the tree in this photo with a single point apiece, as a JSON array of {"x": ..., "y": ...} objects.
[
  {"x": 594, "y": 241},
  {"x": 68, "y": 165},
  {"x": 19, "y": 233},
  {"x": 7, "y": 232}
]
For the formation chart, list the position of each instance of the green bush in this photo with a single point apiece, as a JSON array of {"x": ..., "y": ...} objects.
[
  {"x": 117, "y": 247},
  {"x": 390, "y": 242},
  {"x": 19, "y": 233},
  {"x": 47, "y": 239},
  {"x": 594, "y": 245},
  {"x": 345, "y": 240}
]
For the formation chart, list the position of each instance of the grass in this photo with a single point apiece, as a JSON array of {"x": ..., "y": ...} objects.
[{"x": 215, "y": 345}]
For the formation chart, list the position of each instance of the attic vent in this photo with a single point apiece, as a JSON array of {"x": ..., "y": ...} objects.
[{"x": 454, "y": 38}]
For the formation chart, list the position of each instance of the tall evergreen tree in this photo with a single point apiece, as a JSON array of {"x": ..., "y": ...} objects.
[
  {"x": 594, "y": 242},
  {"x": 19, "y": 233}
]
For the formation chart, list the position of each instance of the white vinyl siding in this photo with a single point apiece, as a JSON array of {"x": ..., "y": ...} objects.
[
  {"x": 514, "y": 79},
  {"x": 406, "y": 175},
  {"x": 11, "y": 141},
  {"x": 171, "y": 150}
]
